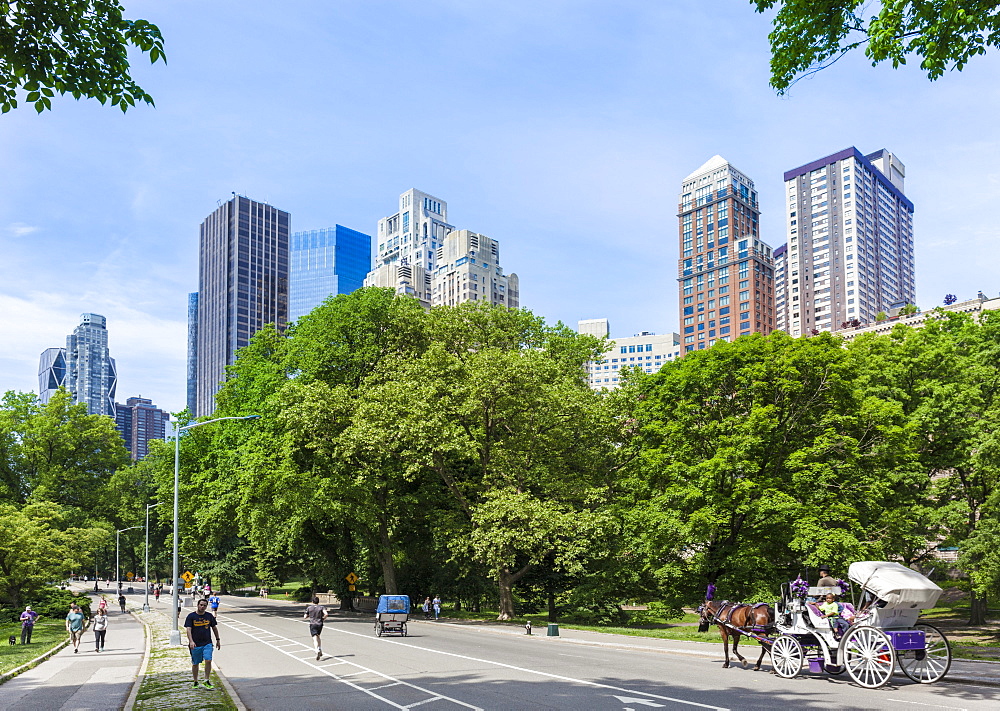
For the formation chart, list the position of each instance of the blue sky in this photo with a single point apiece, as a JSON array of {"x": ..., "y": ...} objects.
[{"x": 560, "y": 128}]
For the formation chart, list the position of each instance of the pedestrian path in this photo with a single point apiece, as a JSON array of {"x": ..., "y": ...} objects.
[{"x": 85, "y": 681}]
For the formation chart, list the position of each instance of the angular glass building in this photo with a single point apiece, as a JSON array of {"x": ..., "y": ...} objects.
[
  {"x": 84, "y": 367},
  {"x": 323, "y": 263},
  {"x": 242, "y": 286}
]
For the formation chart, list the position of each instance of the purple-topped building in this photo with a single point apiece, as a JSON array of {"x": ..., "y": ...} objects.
[{"x": 850, "y": 242}]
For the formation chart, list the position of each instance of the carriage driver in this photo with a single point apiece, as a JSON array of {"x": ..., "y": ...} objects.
[{"x": 825, "y": 579}]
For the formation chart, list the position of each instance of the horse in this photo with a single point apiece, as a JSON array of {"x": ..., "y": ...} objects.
[{"x": 758, "y": 618}]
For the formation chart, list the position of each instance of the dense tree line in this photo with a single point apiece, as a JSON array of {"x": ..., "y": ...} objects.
[{"x": 461, "y": 452}]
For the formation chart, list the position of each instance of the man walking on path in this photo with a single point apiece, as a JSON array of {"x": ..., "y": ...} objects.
[
  {"x": 121, "y": 602},
  {"x": 74, "y": 626},
  {"x": 316, "y": 614},
  {"x": 200, "y": 626},
  {"x": 28, "y": 618},
  {"x": 437, "y": 606}
]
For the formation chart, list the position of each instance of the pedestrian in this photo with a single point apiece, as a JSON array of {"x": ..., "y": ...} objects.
[
  {"x": 121, "y": 602},
  {"x": 316, "y": 614},
  {"x": 426, "y": 607},
  {"x": 28, "y": 618},
  {"x": 100, "y": 629},
  {"x": 200, "y": 626},
  {"x": 74, "y": 626},
  {"x": 156, "y": 593},
  {"x": 437, "y": 606},
  {"x": 214, "y": 602}
]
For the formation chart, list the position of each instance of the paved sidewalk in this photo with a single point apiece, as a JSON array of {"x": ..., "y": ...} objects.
[
  {"x": 88, "y": 680},
  {"x": 962, "y": 671}
]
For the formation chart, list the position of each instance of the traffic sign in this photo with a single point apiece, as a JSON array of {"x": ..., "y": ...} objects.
[
  {"x": 351, "y": 578},
  {"x": 187, "y": 576},
  {"x": 129, "y": 575}
]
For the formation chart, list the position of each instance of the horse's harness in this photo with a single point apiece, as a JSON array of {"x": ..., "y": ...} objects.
[{"x": 725, "y": 612}]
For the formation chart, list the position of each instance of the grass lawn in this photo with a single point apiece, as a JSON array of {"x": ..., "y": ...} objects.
[{"x": 46, "y": 636}]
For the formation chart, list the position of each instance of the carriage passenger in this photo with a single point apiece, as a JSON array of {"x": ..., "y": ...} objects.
[{"x": 834, "y": 611}]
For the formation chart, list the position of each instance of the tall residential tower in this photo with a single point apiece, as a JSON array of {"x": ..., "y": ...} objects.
[
  {"x": 84, "y": 367},
  {"x": 242, "y": 286},
  {"x": 850, "y": 241},
  {"x": 725, "y": 272}
]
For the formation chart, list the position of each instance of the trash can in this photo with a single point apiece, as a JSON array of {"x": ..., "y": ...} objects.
[{"x": 553, "y": 630}]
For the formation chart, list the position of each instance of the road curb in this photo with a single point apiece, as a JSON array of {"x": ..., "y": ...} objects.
[
  {"x": 233, "y": 695},
  {"x": 137, "y": 684}
]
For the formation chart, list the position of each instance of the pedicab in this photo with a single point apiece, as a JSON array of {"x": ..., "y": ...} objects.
[
  {"x": 884, "y": 628},
  {"x": 391, "y": 614}
]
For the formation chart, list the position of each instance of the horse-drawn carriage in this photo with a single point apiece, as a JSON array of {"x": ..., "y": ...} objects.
[{"x": 883, "y": 628}]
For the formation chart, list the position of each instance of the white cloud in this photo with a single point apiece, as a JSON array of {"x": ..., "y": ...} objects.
[{"x": 19, "y": 229}]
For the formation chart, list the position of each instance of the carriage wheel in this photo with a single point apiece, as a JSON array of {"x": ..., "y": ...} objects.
[
  {"x": 378, "y": 629},
  {"x": 404, "y": 629},
  {"x": 925, "y": 666},
  {"x": 787, "y": 656},
  {"x": 868, "y": 655}
]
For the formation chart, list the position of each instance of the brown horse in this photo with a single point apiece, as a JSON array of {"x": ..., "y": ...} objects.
[{"x": 757, "y": 619}]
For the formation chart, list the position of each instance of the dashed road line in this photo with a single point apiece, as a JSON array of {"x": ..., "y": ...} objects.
[{"x": 258, "y": 634}]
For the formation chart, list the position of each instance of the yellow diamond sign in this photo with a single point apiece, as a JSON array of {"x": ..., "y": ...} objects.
[
  {"x": 352, "y": 578},
  {"x": 187, "y": 576}
]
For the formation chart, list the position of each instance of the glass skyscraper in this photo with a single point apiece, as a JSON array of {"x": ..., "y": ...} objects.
[
  {"x": 84, "y": 367},
  {"x": 242, "y": 286},
  {"x": 323, "y": 263},
  {"x": 192, "y": 353}
]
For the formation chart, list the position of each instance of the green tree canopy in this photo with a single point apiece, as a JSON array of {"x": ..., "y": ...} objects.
[
  {"x": 809, "y": 35},
  {"x": 76, "y": 47}
]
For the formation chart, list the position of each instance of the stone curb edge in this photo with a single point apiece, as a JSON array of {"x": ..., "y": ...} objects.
[
  {"x": 130, "y": 701},
  {"x": 233, "y": 696}
]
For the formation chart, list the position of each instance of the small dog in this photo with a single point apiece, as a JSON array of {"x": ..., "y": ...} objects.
[{"x": 12, "y": 640}]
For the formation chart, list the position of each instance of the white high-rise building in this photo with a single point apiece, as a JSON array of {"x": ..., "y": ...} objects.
[
  {"x": 850, "y": 241},
  {"x": 407, "y": 245},
  {"x": 469, "y": 270},
  {"x": 645, "y": 350},
  {"x": 421, "y": 255}
]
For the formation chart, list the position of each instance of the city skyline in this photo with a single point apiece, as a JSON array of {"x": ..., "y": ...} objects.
[{"x": 562, "y": 153}]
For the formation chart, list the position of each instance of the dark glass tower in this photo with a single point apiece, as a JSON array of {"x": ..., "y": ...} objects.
[
  {"x": 242, "y": 286},
  {"x": 192, "y": 354}
]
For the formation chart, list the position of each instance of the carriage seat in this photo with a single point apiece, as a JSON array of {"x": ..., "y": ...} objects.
[{"x": 819, "y": 620}]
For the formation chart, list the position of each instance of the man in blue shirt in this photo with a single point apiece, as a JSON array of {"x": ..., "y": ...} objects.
[
  {"x": 213, "y": 602},
  {"x": 200, "y": 626},
  {"x": 74, "y": 625}
]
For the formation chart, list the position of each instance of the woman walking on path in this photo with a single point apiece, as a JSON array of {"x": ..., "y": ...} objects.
[
  {"x": 427, "y": 608},
  {"x": 100, "y": 629}
]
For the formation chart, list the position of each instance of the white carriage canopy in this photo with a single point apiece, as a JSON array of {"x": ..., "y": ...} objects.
[{"x": 897, "y": 585}]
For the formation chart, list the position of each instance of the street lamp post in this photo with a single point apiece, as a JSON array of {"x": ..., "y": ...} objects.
[
  {"x": 118, "y": 570},
  {"x": 175, "y": 634},
  {"x": 145, "y": 605}
]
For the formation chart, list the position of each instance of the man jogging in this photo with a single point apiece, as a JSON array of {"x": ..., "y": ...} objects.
[
  {"x": 316, "y": 614},
  {"x": 214, "y": 602},
  {"x": 200, "y": 626}
]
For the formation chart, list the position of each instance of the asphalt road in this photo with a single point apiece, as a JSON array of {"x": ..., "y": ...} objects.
[{"x": 267, "y": 655}]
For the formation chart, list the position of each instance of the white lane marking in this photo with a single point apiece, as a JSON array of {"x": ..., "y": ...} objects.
[
  {"x": 425, "y": 701},
  {"x": 643, "y": 702},
  {"x": 235, "y": 624},
  {"x": 535, "y": 671},
  {"x": 936, "y": 706}
]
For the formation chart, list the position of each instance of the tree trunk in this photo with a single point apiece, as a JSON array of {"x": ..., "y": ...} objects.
[
  {"x": 385, "y": 557},
  {"x": 506, "y": 585},
  {"x": 552, "y": 606},
  {"x": 977, "y": 609}
]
